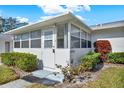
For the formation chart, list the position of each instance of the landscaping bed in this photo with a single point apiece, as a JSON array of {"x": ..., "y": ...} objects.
[
  {"x": 7, "y": 74},
  {"x": 100, "y": 76}
]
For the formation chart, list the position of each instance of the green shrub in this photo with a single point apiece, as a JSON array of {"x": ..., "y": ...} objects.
[
  {"x": 7, "y": 74},
  {"x": 8, "y": 59},
  {"x": 28, "y": 63},
  {"x": 117, "y": 57},
  {"x": 24, "y": 61},
  {"x": 89, "y": 62}
]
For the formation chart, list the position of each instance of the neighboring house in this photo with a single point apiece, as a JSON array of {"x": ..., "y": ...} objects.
[
  {"x": 63, "y": 39},
  {"x": 113, "y": 31},
  {"x": 6, "y": 43}
]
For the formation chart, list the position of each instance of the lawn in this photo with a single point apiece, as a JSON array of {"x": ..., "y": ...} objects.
[
  {"x": 109, "y": 78},
  {"x": 7, "y": 74}
]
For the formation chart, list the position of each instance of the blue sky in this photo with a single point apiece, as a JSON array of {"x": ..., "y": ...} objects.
[{"x": 89, "y": 14}]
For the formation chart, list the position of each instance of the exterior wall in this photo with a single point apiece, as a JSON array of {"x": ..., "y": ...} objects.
[
  {"x": 76, "y": 54},
  {"x": 114, "y": 35},
  {"x": 60, "y": 57},
  {"x": 2, "y": 46}
]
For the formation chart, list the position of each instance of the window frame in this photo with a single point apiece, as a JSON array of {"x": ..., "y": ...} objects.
[{"x": 36, "y": 38}]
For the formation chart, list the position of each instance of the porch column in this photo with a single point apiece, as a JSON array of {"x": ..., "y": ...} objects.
[{"x": 69, "y": 35}]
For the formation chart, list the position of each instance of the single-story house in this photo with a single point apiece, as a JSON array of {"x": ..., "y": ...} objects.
[{"x": 61, "y": 40}]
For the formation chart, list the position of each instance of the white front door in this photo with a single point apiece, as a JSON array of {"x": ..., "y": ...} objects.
[{"x": 48, "y": 49}]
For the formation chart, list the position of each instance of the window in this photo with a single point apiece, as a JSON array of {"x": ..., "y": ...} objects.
[
  {"x": 25, "y": 36},
  {"x": 36, "y": 39},
  {"x": 83, "y": 39},
  {"x": 25, "y": 40},
  {"x": 25, "y": 44},
  {"x": 17, "y": 44},
  {"x": 89, "y": 44},
  {"x": 48, "y": 44},
  {"x": 89, "y": 40},
  {"x": 75, "y": 37},
  {"x": 36, "y": 34},
  {"x": 17, "y": 41},
  {"x": 48, "y": 39},
  {"x": 62, "y": 36},
  {"x": 36, "y": 43},
  {"x": 75, "y": 42},
  {"x": 17, "y": 37}
]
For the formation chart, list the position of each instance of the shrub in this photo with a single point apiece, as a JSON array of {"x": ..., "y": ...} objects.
[
  {"x": 103, "y": 47},
  {"x": 8, "y": 59},
  {"x": 89, "y": 62},
  {"x": 116, "y": 57},
  {"x": 24, "y": 61},
  {"x": 67, "y": 72},
  {"x": 7, "y": 74},
  {"x": 27, "y": 63}
]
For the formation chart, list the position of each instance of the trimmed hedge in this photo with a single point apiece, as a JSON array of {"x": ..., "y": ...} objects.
[
  {"x": 24, "y": 61},
  {"x": 89, "y": 62},
  {"x": 117, "y": 57}
]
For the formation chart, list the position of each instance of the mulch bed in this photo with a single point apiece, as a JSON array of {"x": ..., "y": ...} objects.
[{"x": 93, "y": 77}]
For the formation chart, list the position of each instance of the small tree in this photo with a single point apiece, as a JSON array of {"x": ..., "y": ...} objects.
[{"x": 103, "y": 47}]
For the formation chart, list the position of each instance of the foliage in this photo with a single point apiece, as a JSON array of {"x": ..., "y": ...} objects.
[
  {"x": 24, "y": 61},
  {"x": 89, "y": 62},
  {"x": 7, "y": 74},
  {"x": 117, "y": 57},
  {"x": 67, "y": 71},
  {"x": 103, "y": 47},
  {"x": 109, "y": 78}
]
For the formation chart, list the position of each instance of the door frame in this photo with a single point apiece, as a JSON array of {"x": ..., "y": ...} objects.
[{"x": 53, "y": 29}]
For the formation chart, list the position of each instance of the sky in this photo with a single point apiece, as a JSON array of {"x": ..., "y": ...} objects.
[{"x": 89, "y": 14}]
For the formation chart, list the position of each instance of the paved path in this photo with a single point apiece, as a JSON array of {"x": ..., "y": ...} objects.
[
  {"x": 20, "y": 83},
  {"x": 39, "y": 76}
]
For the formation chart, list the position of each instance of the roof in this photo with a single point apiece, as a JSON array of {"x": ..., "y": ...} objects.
[
  {"x": 108, "y": 25},
  {"x": 63, "y": 17}
]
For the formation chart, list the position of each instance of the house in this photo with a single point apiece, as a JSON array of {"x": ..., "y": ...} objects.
[{"x": 62, "y": 39}]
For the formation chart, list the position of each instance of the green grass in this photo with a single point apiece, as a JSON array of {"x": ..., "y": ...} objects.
[
  {"x": 7, "y": 74},
  {"x": 37, "y": 86},
  {"x": 110, "y": 78}
]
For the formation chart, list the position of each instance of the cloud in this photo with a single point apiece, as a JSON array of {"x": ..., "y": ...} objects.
[
  {"x": 52, "y": 9},
  {"x": 56, "y": 9},
  {"x": 87, "y": 7},
  {"x": 74, "y": 8},
  {"x": 22, "y": 19}
]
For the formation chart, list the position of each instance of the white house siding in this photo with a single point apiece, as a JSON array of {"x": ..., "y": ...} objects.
[
  {"x": 2, "y": 46},
  {"x": 114, "y": 35},
  {"x": 76, "y": 55},
  {"x": 62, "y": 56}
]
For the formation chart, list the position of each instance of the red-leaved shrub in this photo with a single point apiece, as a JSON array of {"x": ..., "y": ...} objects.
[{"x": 103, "y": 47}]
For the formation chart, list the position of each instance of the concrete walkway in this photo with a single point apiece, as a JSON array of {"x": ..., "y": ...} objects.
[
  {"x": 39, "y": 76},
  {"x": 20, "y": 83}
]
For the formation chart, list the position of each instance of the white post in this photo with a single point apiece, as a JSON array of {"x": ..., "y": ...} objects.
[
  {"x": 29, "y": 39},
  {"x": 69, "y": 35}
]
